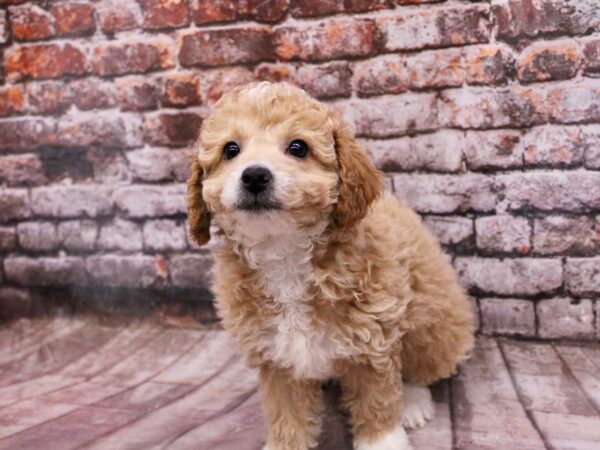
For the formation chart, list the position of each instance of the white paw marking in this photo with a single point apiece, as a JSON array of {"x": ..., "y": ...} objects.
[
  {"x": 417, "y": 406},
  {"x": 396, "y": 439}
]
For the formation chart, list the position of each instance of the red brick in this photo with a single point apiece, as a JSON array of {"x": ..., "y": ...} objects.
[
  {"x": 554, "y": 146},
  {"x": 515, "y": 107},
  {"x": 118, "y": 15},
  {"x": 45, "y": 271},
  {"x": 107, "y": 130},
  {"x": 30, "y": 23},
  {"x": 8, "y": 238},
  {"x": 135, "y": 57},
  {"x": 565, "y": 235},
  {"x": 529, "y": 18},
  {"x": 165, "y": 13},
  {"x": 325, "y": 80},
  {"x": 11, "y": 100},
  {"x": 307, "y": 8},
  {"x": 121, "y": 235},
  {"x": 137, "y": 94},
  {"x": 24, "y": 168},
  {"x": 71, "y": 201},
  {"x": 263, "y": 11},
  {"x": 151, "y": 201},
  {"x": 38, "y": 236},
  {"x": 191, "y": 271},
  {"x": 331, "y": 39},
  {"x": 591, "y": 53},
  {"x": 207, "y": 11},
  {"x": 544, "y": 61},
  {"x": 90, "y": 93},
  {"x": 223, "y": 80},
  {"x": 159, "y": 164},
  {"x": 49, "y": 97},
  {"x": 435, "y": 28},
  {"x": 181, "y": 90},
  {"x": 490, "y": 64},
  {"x": 74, "y": 19},
  {"x": 435, "y": 69},
  {"x": 15, "y": 204},
  {"x": 381, "y": 75},
  {"x": 494, "y": 149},
  {"x": 44, "y": 61},
  {"x": 26, "y": 133},
  {"x": 164, "y": 236},
  {"x": 139, "y": 271},
  {"x": 176, "y": 129},
  {"x": 226, "y": 46},
  {"x": 574, "y": 103},
  {"x": 275, "y": 73}
]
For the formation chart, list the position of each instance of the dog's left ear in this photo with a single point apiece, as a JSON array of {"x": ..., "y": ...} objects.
[
  {"x": 360, "y": 182},
  {"x": 198, "y": 213}
]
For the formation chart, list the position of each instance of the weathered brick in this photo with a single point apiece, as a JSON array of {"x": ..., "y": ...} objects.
[
  {"x": 158, "y": 164},
  {"x": 181, "y": 90},
  {"x": 21, "y": 169},
  {"x": 515, "y": 107},
  {"x": 91, "y": 93},
  {"x": 71, "y": 201},
  {"x": 563, "y": 317},
  {"x": 121, "y": 235},
  {"x": 565, "y": 235},
  {"x": 325, "y": 80},
  {"x": 26, "y": 134},
  {"x": 476, "y": 313},
  {"x": 557, "y": 60},
  {"x": 274, "y": 72},
  {"x": 226, "y": 46},
  {"x": 591, "y": 135},
  {"x": 8, "y": 238},
  {"x": 74, "y": 19},
  {"x": 133, "y": 57},
  {"x": 220, "y": 81},
  {"x": 38, "y": 236},
  {"x": 107, "y": 130},
  {"x": 435, "y": 28},
  {"x": 591, "y": 53},
  {"x": 177, "y": 129},
  {"x": 331, "y": 39},
  {"x": 553, "y": 146},
  {"x": 372, "y": 117},
  {"x": 78, "y": 235},
  {"x": 503, "y": 233},
  {"x": 30, "y": 23},
  {"x": 137, "y": 94},
  {"x": 207, "y": 11},
  {"x": 450, "y": 230},
  {"x": 14, "y": 204},
  {"x": 3, "y": 27},
  {"x": 307, "y": 8},
  {"x": 582, "y": 275},
  {"x": 489, "y": 64},
  {"x": 575, "y": 103},
  {"x": 551, "y": 191},
  {"x": 48, "y": 97},
  {"x": 165, "y": 13},
  {"x": 12, "y": 100},
  {"x": 138, "y": 271},
  {"x": 118, "y": 15},
  {"x": 210, "y": 11},
  {"x": 436, "y": 69},
  {"x": 151, "y": 201},
  {"x": 164, "y": 236},
  {"x": 532, "y": 18},
  {"x": 191, "y": 271},
  {"x": 381, "y": 75},
  {"x": 496, "y": 149},
  {"x": 428, "y": 193},
  {"x": 14, "y": 303},
  {"x": 44, "y": 61},
  {"x": 508, "y": 316},
  {"x": 522, "y": 276},
  {"x": 45, "y": 271}
]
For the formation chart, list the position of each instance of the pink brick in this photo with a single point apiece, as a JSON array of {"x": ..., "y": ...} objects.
[
  {"x": 563, "y": 317},
  {"x": 451, "y": 230},
  {"x": 565, "y": 235},
  {"x": 164, "y": 236},
  {"x": 38, "y": 236},
  {"x": 554, "y": 146},
  {"x": 325, "y": 80},
  {"x": 151, "y": 201},
  {"x": 136, "y": 271},
  {"x": 582, "y": 275},
  {"x": 26, "y": 133},
  {"x": 381, "y": 75},
  {"x": 49, "y": 97},
  {"x": 489, "y": 64},
  {"x": 159, "y": 164},
  {"x": 436, "y": 69},
  {"x": 507, "y": 316},
  {"x": 574, "y": 103},
  {"x": 556, "y": 60},
  {"x": 78, "y": 235},
  {"x": 15, "y": 303},
  {"x": 191, "y": 271},
  {"x": 118, "y": 15},
  {"x": 220, "y": 81},
  {"x": 23, "y": 169},
  {"x": 591, "y": 136},
  {"x": 122, "y": 57},
  {"x": 121, "y": 235},
  {"x": 495, "y": 149},
  {"x": 503, "y": 233},
  {"x": 71, "y": 201},
  {"x": 45, "y": 271},
  {"x": 172, "y": 129},
  {"x": 15, "y": 204},
  {"x": 106, "y": 130},
  {"x": 8, "y": 238}
]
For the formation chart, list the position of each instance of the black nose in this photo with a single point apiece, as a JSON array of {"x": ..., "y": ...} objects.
[{"x": 256, "y": 179}]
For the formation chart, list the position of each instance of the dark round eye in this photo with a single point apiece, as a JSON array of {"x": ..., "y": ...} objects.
[
  {"x": 298, "y": 148},
  {"x": 230, "y": 150}
]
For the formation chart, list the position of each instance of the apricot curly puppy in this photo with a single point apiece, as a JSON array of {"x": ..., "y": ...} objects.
[{"x": 318, "y": 274}]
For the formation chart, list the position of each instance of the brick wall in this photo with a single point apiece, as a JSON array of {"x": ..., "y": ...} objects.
[{"x": 485, "y": 117}]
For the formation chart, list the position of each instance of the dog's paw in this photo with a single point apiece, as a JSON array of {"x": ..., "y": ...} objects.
[
  {"x": 417, "y": 406},
  {"x": 396, "y": 439}
]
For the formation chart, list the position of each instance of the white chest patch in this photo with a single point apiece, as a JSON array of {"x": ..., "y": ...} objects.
[{"x": 293, "y": 340}]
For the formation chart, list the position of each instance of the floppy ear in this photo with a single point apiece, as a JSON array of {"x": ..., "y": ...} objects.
[
  {"x": 198, "y": 213},
  {"x": 360, "y": 182}
]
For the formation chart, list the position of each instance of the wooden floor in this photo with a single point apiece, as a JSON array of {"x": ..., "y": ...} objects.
[{"x": 78, "y": 383}]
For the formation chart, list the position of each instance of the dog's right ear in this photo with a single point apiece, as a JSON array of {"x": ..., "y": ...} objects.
[{"x": 198, "y": 213}]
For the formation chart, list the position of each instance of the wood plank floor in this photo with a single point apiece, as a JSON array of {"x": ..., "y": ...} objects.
[{"x": 78, "y": 383}]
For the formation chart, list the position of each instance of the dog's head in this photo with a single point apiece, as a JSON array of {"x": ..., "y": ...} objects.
[{"x": 270, "y": 159}]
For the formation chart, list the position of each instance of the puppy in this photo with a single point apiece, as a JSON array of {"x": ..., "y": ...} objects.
[{"x": 320, "y": 275}]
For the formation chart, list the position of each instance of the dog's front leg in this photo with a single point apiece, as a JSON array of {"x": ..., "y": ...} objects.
[
  {"x": 373, "y": 395},
  {"x": 292, "y": 410}
]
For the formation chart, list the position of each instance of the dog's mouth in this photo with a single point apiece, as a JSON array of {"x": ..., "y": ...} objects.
[{"x": 258, "y": 204}]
